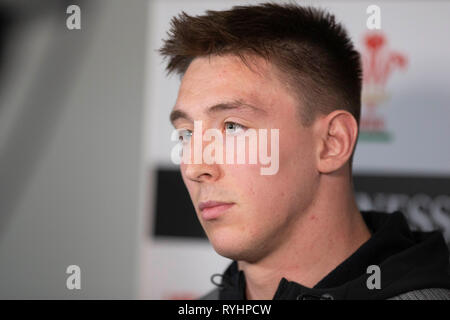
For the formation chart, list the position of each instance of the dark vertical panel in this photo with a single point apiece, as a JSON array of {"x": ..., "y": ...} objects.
[{"x": 175, "y": 214}]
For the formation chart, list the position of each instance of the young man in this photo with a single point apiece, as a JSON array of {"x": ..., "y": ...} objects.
[{"x": 295, "y": 233}]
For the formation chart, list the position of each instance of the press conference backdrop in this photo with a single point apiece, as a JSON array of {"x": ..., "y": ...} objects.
[{"x": 402, "y": 160}]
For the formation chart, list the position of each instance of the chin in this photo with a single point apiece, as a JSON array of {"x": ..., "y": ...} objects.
[{"x": 233, "y": 246}]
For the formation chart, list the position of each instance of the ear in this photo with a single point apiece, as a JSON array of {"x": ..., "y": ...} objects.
[{"x": 337, "y": 132}]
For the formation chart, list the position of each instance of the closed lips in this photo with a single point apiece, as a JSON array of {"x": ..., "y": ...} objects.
[{"x": 210, "y": 204}]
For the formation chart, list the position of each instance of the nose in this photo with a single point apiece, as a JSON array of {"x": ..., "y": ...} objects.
[
  {"x": 201, "y": 172},
  {"x": 198, "y": 168}
]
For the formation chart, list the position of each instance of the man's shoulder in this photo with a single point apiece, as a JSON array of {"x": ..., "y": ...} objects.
[{"x": 424, "y": 294}]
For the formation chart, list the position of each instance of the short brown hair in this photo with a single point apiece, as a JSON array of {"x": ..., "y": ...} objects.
[{"x": 306, "y": 44}]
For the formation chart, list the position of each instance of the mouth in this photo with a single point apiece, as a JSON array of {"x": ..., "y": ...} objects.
[{"x": 213, "y": 209}]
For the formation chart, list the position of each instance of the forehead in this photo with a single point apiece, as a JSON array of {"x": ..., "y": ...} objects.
[
  {"x": 222, "y": 67},
  {"x": 210, "y": 80}
]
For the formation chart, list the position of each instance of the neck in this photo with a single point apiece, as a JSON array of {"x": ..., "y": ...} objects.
[{"x": 322, "y": 237}]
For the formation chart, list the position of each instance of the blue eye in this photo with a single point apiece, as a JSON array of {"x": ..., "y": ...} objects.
[
  {"x": 233, "y": 128},
  {"x": 184, "y": 135}
]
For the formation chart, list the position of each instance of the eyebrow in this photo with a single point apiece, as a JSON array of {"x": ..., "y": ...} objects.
[{"x": 220, "y": 107}]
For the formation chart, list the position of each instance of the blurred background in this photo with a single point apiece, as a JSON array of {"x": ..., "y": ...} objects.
[{"x": 85, "y": 172}]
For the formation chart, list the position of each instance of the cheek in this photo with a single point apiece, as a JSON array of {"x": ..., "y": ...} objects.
[
  {"x": 289, "y": 187},
  {"x": 257, "y": 192},
  {"x": 296, "y": 151},
  {"x": 264, "y": 204}
]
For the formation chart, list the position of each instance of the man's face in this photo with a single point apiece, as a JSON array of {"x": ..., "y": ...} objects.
[{"x": 262, "y": 208}]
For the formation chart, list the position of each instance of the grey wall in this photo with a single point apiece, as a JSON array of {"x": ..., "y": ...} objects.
[{"x": 71, "y": 161}]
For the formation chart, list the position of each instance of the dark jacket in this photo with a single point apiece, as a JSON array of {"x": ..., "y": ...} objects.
[{"x": 412, "y": 264}]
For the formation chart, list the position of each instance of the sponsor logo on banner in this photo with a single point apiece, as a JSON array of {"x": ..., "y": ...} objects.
[{"x": 379, "y": 62}]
